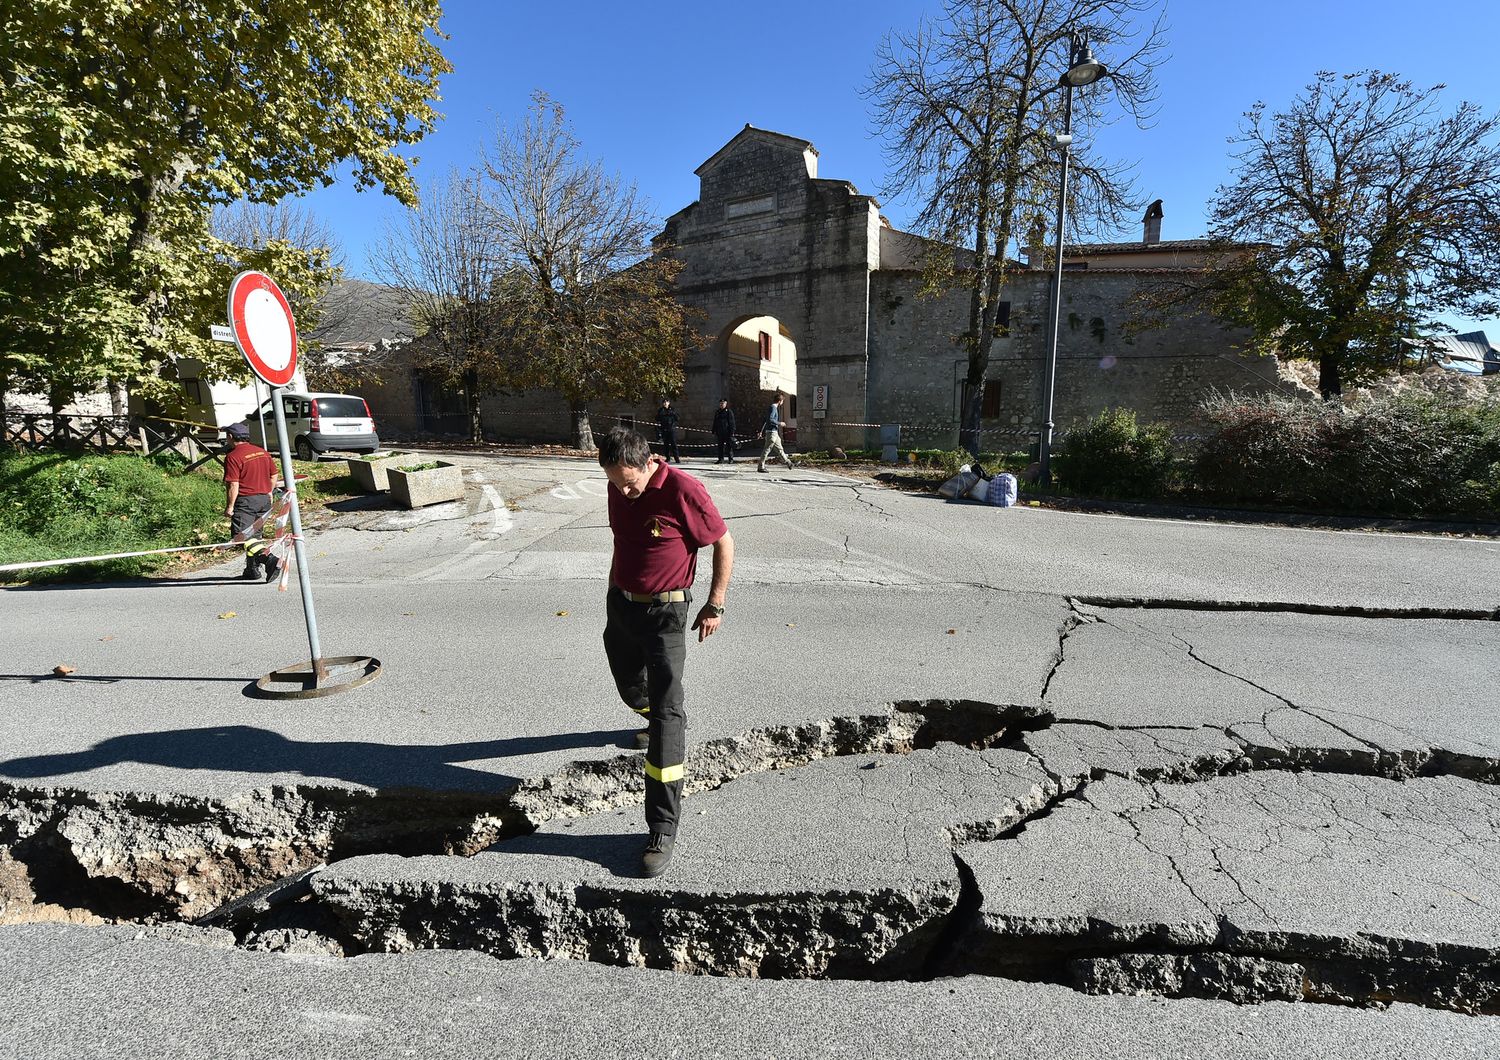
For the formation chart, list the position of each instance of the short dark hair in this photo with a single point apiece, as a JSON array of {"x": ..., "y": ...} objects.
[
  {"x": 779, "y": 396},
  {"x": 623, "y": 447}
]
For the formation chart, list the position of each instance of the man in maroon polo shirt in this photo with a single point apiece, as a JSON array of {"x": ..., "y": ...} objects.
[{"x": 660, "y": 517}]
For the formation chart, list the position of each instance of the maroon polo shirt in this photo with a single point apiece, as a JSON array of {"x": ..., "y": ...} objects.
[
  {"x": 658, "y": 535},
  {"x": 252, "y": 467}
]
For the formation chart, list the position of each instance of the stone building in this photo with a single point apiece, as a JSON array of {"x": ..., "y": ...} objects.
[{"x": 805, "y": 287}]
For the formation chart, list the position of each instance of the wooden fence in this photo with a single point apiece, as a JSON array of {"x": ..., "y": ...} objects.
[{"x": 39, "y": 431}]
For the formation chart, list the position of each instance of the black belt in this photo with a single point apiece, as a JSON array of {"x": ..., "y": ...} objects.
[{"x": 671, "y": 596}]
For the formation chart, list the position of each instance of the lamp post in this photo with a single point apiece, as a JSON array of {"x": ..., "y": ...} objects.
[{"x": 1083, "y": 70}]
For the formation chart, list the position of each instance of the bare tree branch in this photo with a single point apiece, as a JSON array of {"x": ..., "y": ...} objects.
[{"x": 967, "y": 105}]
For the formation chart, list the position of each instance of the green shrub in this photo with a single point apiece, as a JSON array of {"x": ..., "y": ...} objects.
[
  {"x": 1114, "y": 456},
  {"x": 54, "y": 505},
  {"x": 1411, "y": 453}
]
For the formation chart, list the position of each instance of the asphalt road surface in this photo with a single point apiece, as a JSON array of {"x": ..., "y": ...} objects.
[{"x": 1081, "y": 784}]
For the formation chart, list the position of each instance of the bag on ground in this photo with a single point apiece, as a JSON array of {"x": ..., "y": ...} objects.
[
  {"x": 1002, "y": 492},
  {"x": 959, "y": 485}
]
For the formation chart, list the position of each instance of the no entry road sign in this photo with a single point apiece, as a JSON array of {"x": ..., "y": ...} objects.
[{"x": 261, "y": 319}]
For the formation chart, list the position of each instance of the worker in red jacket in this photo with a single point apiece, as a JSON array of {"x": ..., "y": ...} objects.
[{"x": 249, "y": 477}]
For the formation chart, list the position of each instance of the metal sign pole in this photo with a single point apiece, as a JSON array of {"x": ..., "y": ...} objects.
[
  {"x": 320, "y": 671},
  {"x": 260, "y": 406}
]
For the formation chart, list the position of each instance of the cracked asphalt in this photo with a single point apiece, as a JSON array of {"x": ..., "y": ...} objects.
[{"x": 1261, "y": 791}]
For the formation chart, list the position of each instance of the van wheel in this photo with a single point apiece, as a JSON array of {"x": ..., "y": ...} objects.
[{"x": 305, "y": 450}]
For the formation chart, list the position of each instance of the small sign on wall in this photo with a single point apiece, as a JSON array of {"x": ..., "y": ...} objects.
[{"x": 820, "y": 399}]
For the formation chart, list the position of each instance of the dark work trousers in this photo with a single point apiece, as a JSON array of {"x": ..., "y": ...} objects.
[
  {"x": 669, "y": 447},
  {"x": 247, "y": 509},
  {"x": 726, "y": 449},
  {"x": 647, "y": 648}
]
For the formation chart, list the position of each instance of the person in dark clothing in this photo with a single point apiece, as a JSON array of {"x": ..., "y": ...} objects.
[
  {"x": 660, "y": 517},
  {"x": 249, "y": 477},
  {"x": 724, "y": 431},
  {"x": 666, "y": 431}
]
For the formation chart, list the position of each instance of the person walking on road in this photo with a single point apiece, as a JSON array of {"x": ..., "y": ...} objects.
[
  {"x": 660, "y": 517},
  {"x": 249, "y": 476},
  {"x": 771, "y": 432},
  {"x": 724, "y": 431},
  {"x": 666, "y": 430}
]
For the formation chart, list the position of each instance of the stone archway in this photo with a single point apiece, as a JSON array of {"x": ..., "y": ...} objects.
[{"x": 754, "y": 357}]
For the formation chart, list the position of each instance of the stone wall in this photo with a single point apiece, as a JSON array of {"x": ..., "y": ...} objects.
[{"x": 916, "y": 370}]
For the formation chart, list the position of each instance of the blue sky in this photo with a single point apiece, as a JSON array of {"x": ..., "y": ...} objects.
[{"x": 654, "y": 88}]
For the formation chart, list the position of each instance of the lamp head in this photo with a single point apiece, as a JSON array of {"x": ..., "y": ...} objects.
[{"x": 1085, "y": 69}]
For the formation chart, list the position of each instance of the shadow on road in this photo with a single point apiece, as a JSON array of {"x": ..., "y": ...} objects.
[{"x": 245, "y": 749}]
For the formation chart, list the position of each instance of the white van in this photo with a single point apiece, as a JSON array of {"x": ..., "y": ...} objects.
[{"x": 317, "y": 423}]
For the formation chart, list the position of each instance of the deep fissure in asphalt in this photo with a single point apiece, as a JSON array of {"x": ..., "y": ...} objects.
[{"x": 176, "y": 858}]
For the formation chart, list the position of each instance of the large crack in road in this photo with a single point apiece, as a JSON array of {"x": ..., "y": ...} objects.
[{"x": 905, "y": 843}]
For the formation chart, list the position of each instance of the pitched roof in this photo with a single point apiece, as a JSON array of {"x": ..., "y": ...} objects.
[
  {"x": 751, "y": 132},
  {"x": 1465, "y": 353},
  {"x": 360, "y": 313},
  {"x": 1076, "y": 249}
]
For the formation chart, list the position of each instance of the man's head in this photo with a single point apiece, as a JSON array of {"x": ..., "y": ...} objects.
[
  {"x": 237, "y": 432},
  {"x": 666, "y": 403},
  {"x": 723, "y": 403},
  {"x": 779, "y": 396},
  {"x": 627, "y": 461}
]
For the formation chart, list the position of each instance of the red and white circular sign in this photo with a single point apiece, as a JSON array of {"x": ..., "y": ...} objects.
[{"x": 261, "y": 319}]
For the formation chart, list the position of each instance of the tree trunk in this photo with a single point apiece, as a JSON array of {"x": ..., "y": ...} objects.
[
  {"x": 1328, "y": 375},
  {"x": 471, "y": 392},
  {"x": 117, "y": 398},
  {"x": 969, "y": 433},
  {"x": 583, "y": 434}
]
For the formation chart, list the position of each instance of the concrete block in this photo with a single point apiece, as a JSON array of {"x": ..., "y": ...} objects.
[
  {"x": 372, "y": 474},
  {"x": 418, "y": 489}
]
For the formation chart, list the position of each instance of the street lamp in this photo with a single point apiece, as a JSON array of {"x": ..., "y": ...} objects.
[{"x": 1083, "y": 70}]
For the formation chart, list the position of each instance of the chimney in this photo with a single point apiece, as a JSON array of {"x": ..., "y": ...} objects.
[{"x": 1152, "y": 221}]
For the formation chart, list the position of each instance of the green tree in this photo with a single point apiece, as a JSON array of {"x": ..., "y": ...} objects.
[
  {"x": 968, "y": 105},
  {"x": 127, "y": 120},
  {"x": 583, "y": 303},
  {"x": 1363, "y": 209}
]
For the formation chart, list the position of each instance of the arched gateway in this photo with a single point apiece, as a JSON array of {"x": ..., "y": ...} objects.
[{"x": 778, "y": 262}]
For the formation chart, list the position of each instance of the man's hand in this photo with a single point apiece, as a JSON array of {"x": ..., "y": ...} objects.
[
  {"x": 706, "y": 623},
  {"x": 229, "y": 513}
]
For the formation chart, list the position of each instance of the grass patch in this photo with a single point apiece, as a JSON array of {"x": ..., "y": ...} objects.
[
  {"x": 431, "y": 465},
  {"x": 57, "y": 505}
]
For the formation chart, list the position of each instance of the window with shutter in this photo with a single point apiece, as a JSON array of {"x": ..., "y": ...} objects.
[{"x": 990, "y": 409}]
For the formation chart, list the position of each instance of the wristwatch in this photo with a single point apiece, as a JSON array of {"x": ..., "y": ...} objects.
[{"x": 717, "y": 610}]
